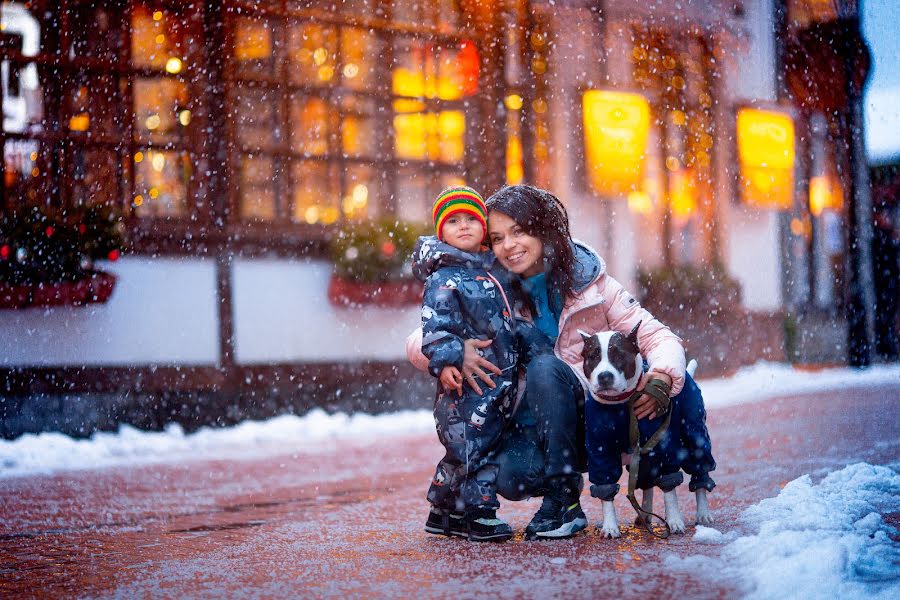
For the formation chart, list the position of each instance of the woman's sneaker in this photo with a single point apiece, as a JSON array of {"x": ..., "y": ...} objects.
[
  {"x": 559, "y": 517},
  {"x": 484, "y": 526},
  {"x": 446, "y": 523}
]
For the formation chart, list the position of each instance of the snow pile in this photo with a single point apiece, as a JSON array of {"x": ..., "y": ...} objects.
[
  {"x": 49, "y": 452},
  {"x": 708, "y": 535},
  {"x": 825, "y": 540},
  {"x": 766, "y": 380}
]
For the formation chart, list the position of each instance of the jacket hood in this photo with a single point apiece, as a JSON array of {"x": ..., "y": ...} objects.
[
  {"x": 588, "y": 265},
  {"x": 430, "y": 254}
]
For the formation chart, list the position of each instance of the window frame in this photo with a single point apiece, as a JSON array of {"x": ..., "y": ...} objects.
[{"x": 211, "y": 221}]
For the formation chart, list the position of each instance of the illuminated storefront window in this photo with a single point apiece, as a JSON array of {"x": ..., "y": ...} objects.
[
  {"x": 111, "y": 119},
  {"x": 324, "y": 111},
  {"x": 317, "y": 100},
  {"x": 677, "y": 74}
]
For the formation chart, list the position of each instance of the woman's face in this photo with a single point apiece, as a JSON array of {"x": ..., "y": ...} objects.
[{"x": 517, "y": 251}]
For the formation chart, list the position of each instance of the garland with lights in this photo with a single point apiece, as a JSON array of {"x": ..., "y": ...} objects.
[
  {"x": 372, "y": 264},
  {"x": 47, "y": 255}
]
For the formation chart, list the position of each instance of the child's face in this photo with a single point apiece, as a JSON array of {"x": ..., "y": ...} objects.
[{"x": 463, "y": 231}]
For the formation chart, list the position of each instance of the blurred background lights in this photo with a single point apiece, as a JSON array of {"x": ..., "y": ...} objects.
[{"x": 173, "y": 65}]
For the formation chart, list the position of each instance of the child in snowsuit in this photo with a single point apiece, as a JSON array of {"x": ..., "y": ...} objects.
[{"x": 462, "y": 301}]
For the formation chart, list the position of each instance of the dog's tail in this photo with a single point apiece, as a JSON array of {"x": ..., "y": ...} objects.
[{"x": 691, "y": 367}]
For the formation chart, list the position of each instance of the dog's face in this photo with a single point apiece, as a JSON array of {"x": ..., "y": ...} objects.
[{"x": 612, "y": 362}]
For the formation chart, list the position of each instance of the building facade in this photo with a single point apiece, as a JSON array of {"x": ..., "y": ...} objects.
[{"x": 238, "y": 136}]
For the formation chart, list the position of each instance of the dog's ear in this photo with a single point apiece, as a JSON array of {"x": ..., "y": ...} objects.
[
  {"x": 632, "y": 337},
  {"x": 587, "y": 339}
]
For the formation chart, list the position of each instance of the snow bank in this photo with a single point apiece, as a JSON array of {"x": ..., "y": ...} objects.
[
  {"x": 49, "y": 452},
  {"x": 825, "y": 540},
  {"x": 766, "y": 380}
]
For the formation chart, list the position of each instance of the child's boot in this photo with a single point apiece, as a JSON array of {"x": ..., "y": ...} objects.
[
  {"x": 484, "y": 526},
  {"x": 445, "y": 522}
]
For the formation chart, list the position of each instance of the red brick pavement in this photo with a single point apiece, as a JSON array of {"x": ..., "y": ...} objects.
[{"x": 347, "y": 519}]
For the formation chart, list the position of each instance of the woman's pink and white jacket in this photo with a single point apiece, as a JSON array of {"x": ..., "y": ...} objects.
[{"x": 602, "y": 304}]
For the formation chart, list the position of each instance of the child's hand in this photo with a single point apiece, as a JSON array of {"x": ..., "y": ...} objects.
[{"x": 451, "y": 379}]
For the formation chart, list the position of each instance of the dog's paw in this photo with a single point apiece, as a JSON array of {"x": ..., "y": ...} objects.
[
  {"x": 704, "y": 518},
  {"x": 610, "y": 530},
  {"x": 676, "y": 524}
]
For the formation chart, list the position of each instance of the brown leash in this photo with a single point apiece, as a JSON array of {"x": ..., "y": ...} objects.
[{"x": 659, "y": 391}]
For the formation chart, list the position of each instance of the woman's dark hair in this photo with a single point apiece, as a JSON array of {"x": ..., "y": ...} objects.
[{"x": 543, "y": 216}]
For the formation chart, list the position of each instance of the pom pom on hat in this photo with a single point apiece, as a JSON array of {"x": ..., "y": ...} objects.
[{"x": 456, "y": 200}]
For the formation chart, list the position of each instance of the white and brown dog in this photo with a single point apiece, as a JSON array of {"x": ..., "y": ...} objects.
[{"x": 614, "y": 367}]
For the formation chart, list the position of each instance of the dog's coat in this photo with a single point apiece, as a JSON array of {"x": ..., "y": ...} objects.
[{"x": 613, "y": 367}]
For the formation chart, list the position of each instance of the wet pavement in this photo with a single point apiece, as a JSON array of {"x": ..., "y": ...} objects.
[{"x": 346, "y": 519}]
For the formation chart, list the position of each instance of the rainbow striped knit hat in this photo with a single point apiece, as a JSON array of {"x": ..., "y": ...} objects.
[{"x": 458, "y": 199}]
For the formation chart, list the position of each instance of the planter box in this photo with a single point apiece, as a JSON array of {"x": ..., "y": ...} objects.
[
  {"x": 387, "y": 294},
  {"x": 96, "y": 287}
]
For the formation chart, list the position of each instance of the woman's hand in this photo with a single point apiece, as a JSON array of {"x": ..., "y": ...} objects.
[
  {"x": 474, "y": 364},
  {"x": 645, "y": 405},
  {"x": 451, "y": 379}
]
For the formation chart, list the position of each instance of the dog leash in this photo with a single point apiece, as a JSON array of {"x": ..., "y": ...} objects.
[{"x": 659, "y": 391}]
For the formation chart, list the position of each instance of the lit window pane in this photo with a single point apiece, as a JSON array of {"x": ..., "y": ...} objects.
[
  {"x": 26, "y": 170},
  {"x": 161, "y": 183},
  {"x": 457, "y": 71},
  {"x": 361, "y": 193},
  {"x": 429, "y": 136},
  {"x": 254, "y": 46},
  {"x": 360, "y": 51},
  {"x": 358, "y": 129},
  {"x": 451, "y": 135},
  {"x": 257, "y": 188},
  {"x": 413, "y": 74},
  {"x": 257, "y": 117},
  {"x": 161, "y": 110},
  {"x": 312, "y": 50},
  {"x": 316, "y": 193},
  {"x": 312, "y": 121},
  {"x": 91, "y": 104},
  {"x": 163, "y": 38}
]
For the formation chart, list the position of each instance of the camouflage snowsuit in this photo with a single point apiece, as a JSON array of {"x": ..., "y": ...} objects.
[{"x": 464, "y": 301}]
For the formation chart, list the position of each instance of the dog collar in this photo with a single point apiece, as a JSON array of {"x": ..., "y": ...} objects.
[{"x": 620, "y": 397}]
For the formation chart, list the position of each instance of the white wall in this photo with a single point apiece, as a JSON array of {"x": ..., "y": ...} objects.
[
  {"x": 162, "y": 311},
  {"x": 282, "y": 314},
  {"x": 754, "y": 256}
]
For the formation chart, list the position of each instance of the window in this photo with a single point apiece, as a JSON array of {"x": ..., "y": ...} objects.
[
  {"x": 679, "y": 75},
  {"x": 105, "y": 108},
  {"x": 341, "y": 116},
  {"x": 324, "y": 111}
]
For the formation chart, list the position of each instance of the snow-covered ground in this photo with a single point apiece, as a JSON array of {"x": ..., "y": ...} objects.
[
  {"x": 813, "y": 540},
  {"x": 48, "y": 452}
]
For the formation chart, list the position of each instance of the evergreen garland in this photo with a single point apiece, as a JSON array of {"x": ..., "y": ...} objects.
[{"x": 39, "y": 244}]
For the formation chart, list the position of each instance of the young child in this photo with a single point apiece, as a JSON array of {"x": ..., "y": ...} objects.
[{"x": 464, "y": 301}]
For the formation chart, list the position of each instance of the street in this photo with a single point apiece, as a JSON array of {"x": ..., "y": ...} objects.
[{"x": 346, "y": 519}]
